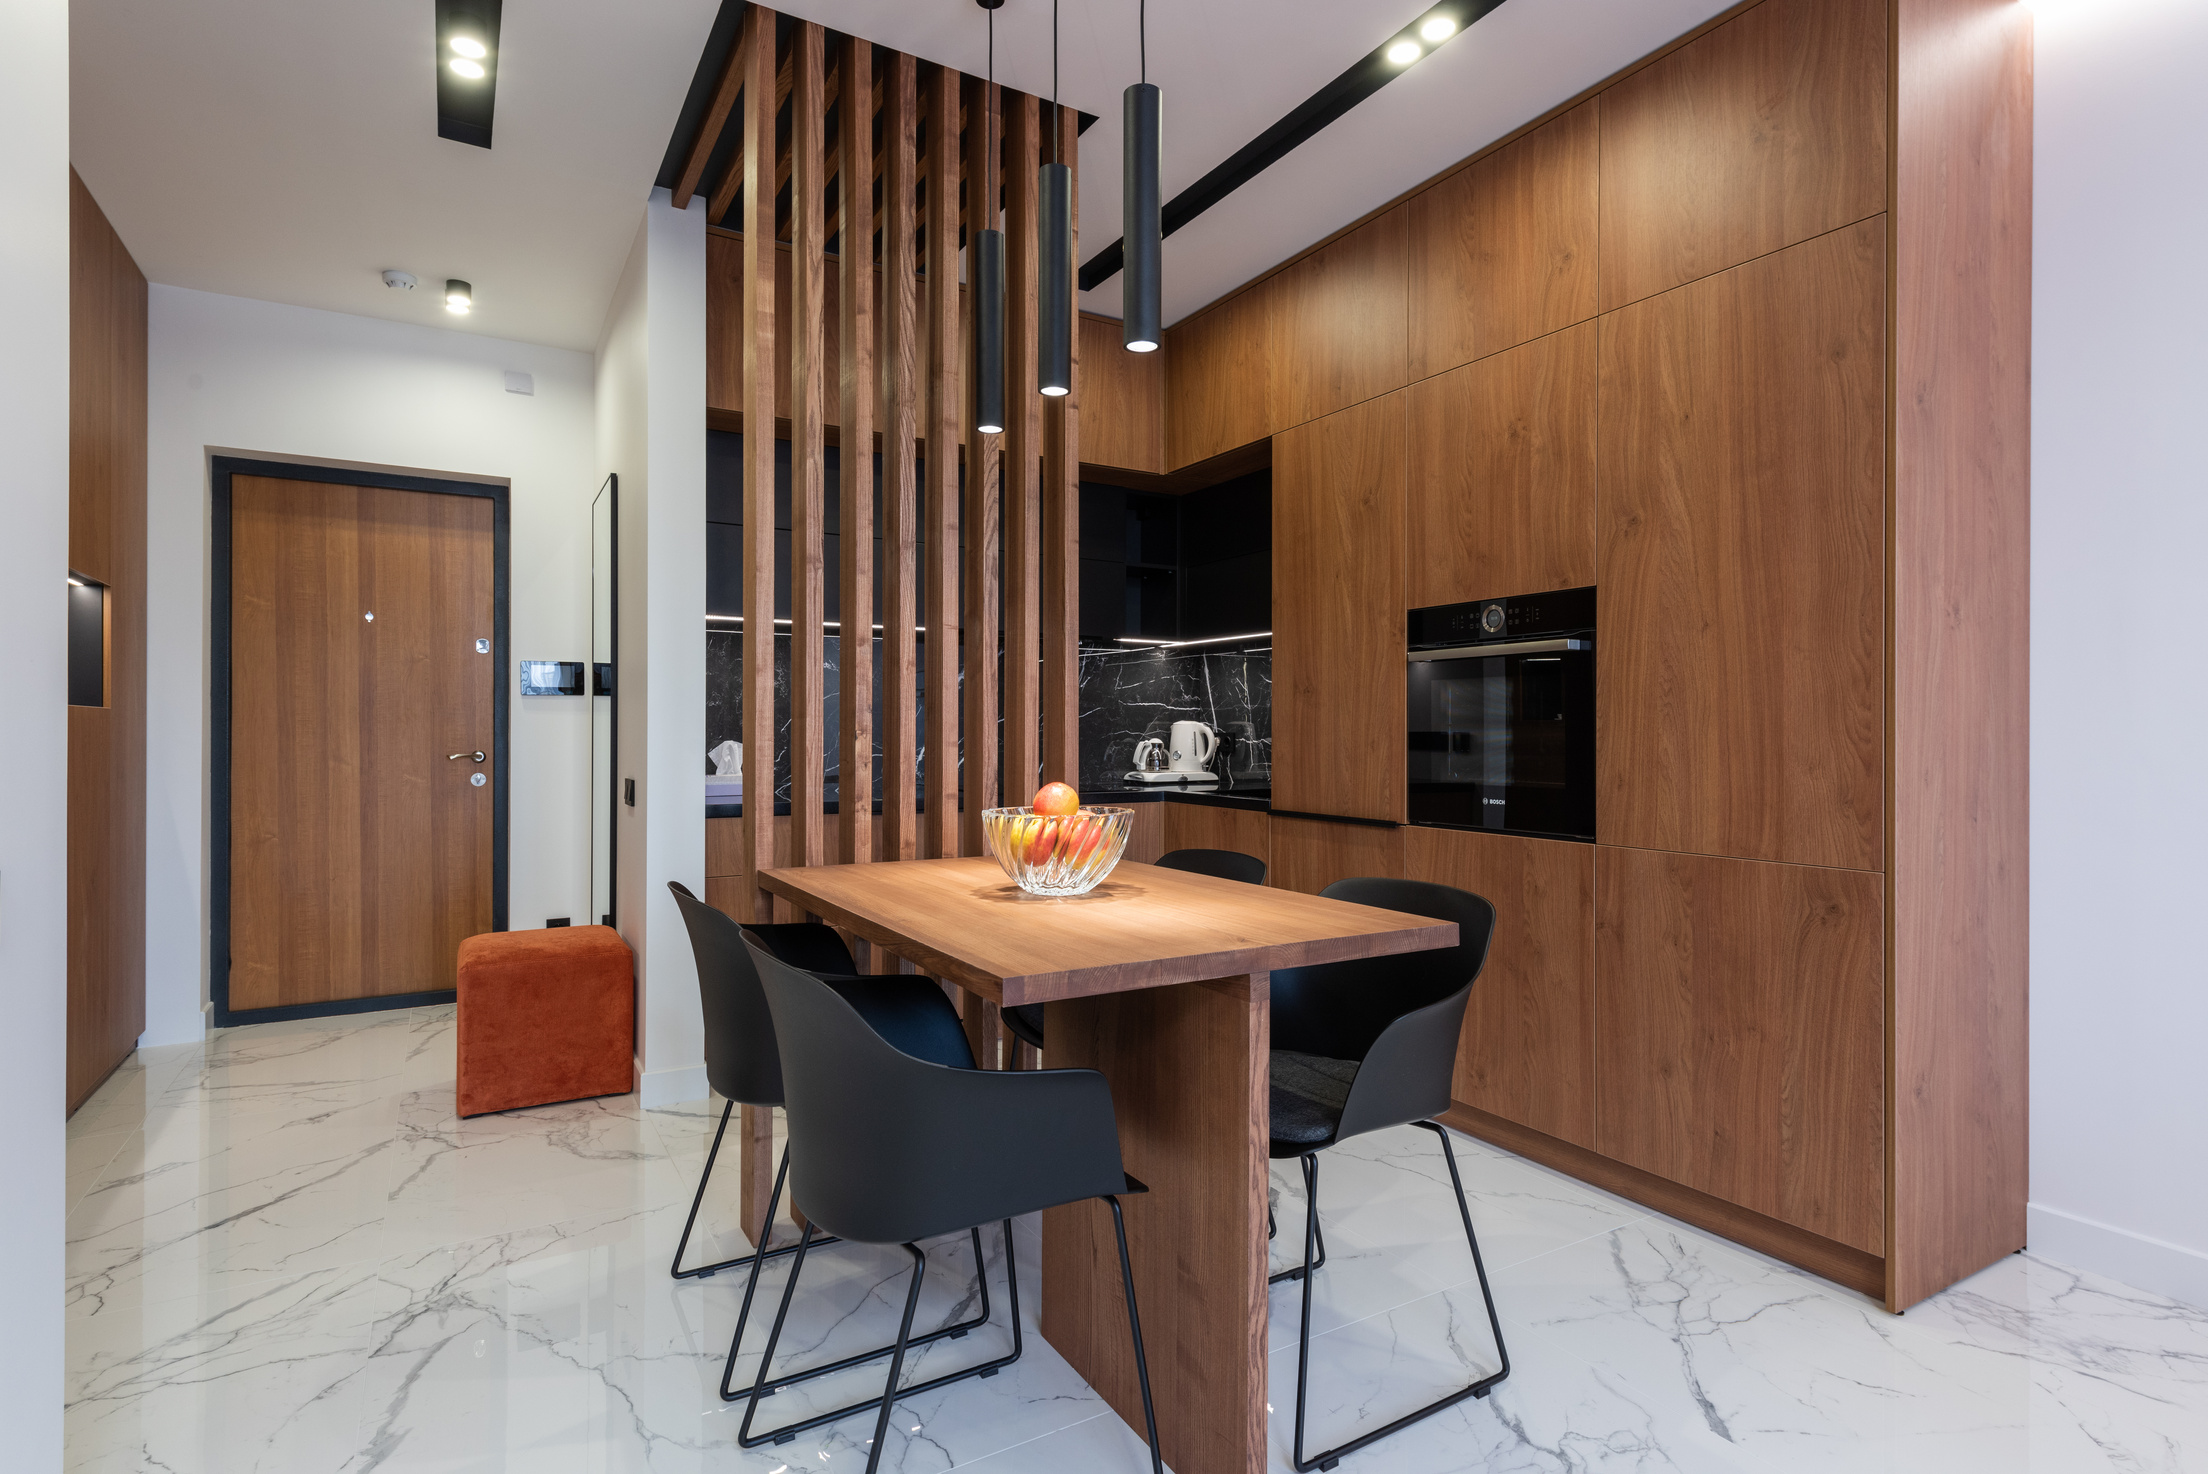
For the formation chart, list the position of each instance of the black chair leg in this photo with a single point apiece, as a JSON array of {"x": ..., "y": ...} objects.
[
  {"x": 1311, "y": 1171},
  {"x": 706, "y": 1271},
  {"x": 897, "y": 1359},
  {"x": 1134, "y": 1326},
  {"x": 766, "y": 1384},
  {"x": 1480, "y": 1388}
]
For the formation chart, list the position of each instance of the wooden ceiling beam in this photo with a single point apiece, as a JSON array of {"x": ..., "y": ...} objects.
[{"x": 709, "y": 129}]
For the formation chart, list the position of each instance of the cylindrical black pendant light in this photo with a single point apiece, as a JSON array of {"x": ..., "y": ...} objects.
[
  {"x": 1141, "y": 310},
  {"x": 986, "y": 267},
  {"x": 1054, "y": 252}
]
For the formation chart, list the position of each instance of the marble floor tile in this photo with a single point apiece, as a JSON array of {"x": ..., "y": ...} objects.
[{"x": 285, "y": 1253}]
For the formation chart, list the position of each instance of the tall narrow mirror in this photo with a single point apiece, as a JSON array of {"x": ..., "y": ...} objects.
[{"x": 604, "y": 732}]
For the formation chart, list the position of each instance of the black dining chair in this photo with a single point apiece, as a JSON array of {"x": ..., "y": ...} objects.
[
  {"x": 887, "y": 1147},
  {"x": 1026, "y": 1020},
  {"x": 1367, "y": 1044},
  {"x": 743, "y": 1065}
]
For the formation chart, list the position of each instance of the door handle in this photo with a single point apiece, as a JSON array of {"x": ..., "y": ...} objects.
[{"x": 455, "y": 756}]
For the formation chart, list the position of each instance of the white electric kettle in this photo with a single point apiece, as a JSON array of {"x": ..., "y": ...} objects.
[{"x": 1191, "y": 746}]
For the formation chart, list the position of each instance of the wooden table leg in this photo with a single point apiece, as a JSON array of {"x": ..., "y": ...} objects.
[
  {"x": 984, "y": 1030},
  {"x": 755, "y": 1161},
  {"x": 1187, "y": 1066}
]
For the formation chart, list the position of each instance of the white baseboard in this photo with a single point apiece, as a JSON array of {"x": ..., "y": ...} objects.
[
  {"x": 2133, "y": 1258},
  {"x": 661, "y": 1088}
]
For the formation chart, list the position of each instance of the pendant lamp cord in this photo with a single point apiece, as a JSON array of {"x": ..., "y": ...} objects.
[
  {"x": 1054, "y": 81},
  {"x": 1142, "y": 35}
]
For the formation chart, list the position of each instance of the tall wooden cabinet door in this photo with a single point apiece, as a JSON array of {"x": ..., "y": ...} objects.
[
  {"x": 1309, "y": 855},
  {"x": 1504, "y": 251},
  {"x": 1338, "y": 613},
  {"x": 1764, "y": 133},
  {"x": 1740, "y": 1035},
  {"x": 1742, "y": 560},
  {"x": 1528, "y": 1051},
  {"x": 1501, "y": 492},
  {"x": 1216, "y": 381},
  {"x": 1338, "y": 323}
]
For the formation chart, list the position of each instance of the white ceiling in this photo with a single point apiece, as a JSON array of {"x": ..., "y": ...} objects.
[{"x": 288, "y": 151}]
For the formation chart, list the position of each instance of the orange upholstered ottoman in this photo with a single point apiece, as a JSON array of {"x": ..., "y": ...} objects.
[{"x": 545, "y": 1015}]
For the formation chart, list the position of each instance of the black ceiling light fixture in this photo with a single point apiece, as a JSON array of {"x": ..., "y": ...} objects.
[
  {"x": 1142, "y": 305},
  {"x": 467, "y": 69},
  {"x": 988, "y": 264},
  {"x": 1054, "y": 252},
  {"x": 1371, "y": 72}
]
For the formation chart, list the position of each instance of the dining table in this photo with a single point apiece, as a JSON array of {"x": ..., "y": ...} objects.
[{"x": 1161, "y": 980}]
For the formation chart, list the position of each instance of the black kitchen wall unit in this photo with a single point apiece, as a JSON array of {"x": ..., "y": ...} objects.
[{"x": 1186, "y": 567}]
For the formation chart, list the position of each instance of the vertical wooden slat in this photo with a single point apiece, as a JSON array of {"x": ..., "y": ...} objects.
[
  {"x": 1061, "y": 497},
  {"x": 808, "y": 237},
  {"x": 983, "y": 452},
  {"x": 941, "y": 820},
  {"x": 755, "y": 1149},
  {"x": 855, "y": 332},
  {"x": 900, "y": 433},
  {"x": 1023, "y": 449},
  {"x": 758, "y": 330}
]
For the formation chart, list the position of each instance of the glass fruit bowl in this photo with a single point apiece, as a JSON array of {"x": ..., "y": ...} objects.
[{"x": 1057, "y": 856}]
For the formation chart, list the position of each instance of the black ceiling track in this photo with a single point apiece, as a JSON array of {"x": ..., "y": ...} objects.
[{"x": 1304, "y": 122}]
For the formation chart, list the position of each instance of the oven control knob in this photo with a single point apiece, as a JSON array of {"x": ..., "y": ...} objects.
[{"x": 1491, "y": 620}]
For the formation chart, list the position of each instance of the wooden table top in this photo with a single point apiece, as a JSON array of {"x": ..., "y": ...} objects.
[{"x": 1142, "y": 928}]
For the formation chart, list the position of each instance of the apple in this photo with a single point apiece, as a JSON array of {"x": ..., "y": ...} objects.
[
  {"x": 1045, "y": 841},
  {"x": 1057, "y": 800}
]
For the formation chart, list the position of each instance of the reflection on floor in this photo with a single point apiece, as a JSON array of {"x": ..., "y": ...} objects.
[{"x": 285, "y": 1254}]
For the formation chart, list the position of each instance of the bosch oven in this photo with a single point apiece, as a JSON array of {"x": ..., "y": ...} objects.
[{"x": 1502, "y": 715}]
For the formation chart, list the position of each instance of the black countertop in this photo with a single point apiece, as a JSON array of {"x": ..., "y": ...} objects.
[{"x": 1224, "y": 794}]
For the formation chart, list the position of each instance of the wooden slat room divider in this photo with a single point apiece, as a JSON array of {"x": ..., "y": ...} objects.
[{"x": 978, "y": 562}]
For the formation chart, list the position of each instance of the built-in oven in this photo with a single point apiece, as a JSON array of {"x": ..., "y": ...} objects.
[{"x": 1502, "y": 715}]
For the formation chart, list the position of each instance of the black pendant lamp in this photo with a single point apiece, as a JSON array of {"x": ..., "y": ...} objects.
[
  {"x": 987, "y": 263},
  {"x": 1141, "y": 307},
  {"x": 1054, "y": 252}
]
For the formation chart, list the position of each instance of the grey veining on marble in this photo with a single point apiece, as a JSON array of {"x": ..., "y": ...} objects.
[
  {"x": 286, "y": 1254},
  {"x": 1128, "y": 695}
]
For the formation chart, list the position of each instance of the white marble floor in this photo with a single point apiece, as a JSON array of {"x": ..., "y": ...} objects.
[{"x": 286, "y": 1254}]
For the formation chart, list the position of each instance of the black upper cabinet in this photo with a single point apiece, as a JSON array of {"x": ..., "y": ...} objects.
[{"x": 1177, "y": 567}]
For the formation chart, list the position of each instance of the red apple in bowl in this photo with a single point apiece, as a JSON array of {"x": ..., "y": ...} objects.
[{"x": 1056, "y": 800}]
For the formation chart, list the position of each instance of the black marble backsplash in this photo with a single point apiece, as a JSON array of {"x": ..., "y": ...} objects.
[{"x": 1127, "y": 695}]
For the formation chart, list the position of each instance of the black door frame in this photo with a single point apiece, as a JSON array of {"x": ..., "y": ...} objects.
[{"x": 218, "y": 920}]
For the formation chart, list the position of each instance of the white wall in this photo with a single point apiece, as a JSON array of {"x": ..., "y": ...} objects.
[
  {"x": 235, "y": 375},
  {"x": 651, "y": 433},
  {"x": 34, "y": 557},
  {"x": 2119, "y": 669}
]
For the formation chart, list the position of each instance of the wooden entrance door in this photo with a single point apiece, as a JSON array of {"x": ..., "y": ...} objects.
[{"x": 360, "y": 847}]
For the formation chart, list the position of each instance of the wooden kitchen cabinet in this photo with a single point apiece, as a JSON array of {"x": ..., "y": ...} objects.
[
  {"x": 1503, "y": 251},
  {"x": 1122, "y": 400},
  {"x": 1309, "y": 855},
  {"x": 1501, "y": 493},
  {"x": 1767, "y": 131},
  {"x": 1739, "y": 1026},
  {"x": 1218, "y": 379},
  {"x": 1338, "y": 323},
  {"x": 1741, "y": 643},
  {"x": 1338, "y": 613},
  {"x": 1209, "y": 827},
  {"x": 1528, "y": 1049}
]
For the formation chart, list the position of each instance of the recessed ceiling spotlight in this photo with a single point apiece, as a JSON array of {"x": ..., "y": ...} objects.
[
  {"x": 1402, "y": 53},
  {"x": 473, "y": 70},
  {"x": 469, "y": 47},
  {"x": 459, "y": 297},
  {"x": 1438, "y": 28}
]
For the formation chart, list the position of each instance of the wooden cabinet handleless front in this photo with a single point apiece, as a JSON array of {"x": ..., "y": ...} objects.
[
  {"x": 1528, "y": 1050},
  {"x": 1739, "y": 1029},
  {"x": 1338, "y": 613}
]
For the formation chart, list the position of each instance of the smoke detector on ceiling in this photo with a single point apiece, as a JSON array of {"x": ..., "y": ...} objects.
[{"x": 403, "y": 279}]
